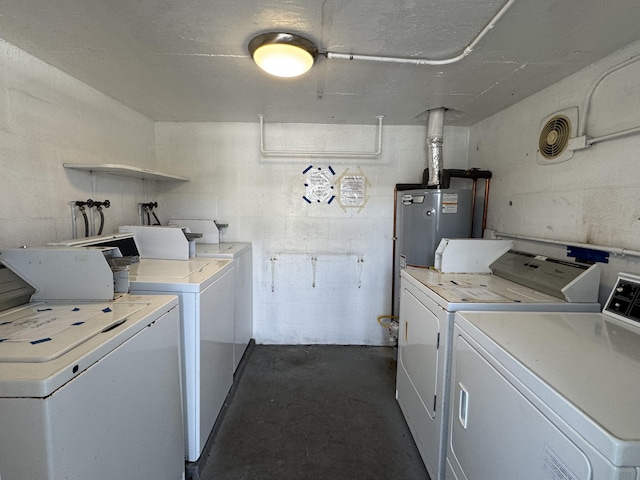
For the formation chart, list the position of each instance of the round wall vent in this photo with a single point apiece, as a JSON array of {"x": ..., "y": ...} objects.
[{"x": 554, "y": 136}]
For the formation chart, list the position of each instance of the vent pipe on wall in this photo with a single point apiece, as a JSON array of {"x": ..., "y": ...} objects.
[{"x": 435, "y": 132}]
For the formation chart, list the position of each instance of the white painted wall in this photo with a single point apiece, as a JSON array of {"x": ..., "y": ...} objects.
[
  {"x": 48, "y": 118},
  {"x": 592, "y": 198},
  {"x": 261, "y": 200}
]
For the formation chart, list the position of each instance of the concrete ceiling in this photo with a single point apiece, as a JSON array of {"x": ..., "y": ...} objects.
[{"x": 187, "y": 60}]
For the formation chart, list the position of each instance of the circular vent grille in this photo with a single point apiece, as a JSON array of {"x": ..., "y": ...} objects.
[{"x": 554, "y": 137}]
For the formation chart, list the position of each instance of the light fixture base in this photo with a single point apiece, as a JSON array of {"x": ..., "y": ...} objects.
[{"x": 283, "y": 54}]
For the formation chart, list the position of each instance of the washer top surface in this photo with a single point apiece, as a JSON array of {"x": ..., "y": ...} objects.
[
  {"x": 479, "y": 291},
  {"x": 221, "y": 250},
  {"x": 176, "y": 275},
  {"x": 589, "y": 359},
  {"x": 43, "y": 332},
  {"x": 44, "y": 345}
]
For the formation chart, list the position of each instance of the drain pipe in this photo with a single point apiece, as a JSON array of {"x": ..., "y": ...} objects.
[
  {"x": 435, "y": 131},
  {"x": 427, "y": 61}
]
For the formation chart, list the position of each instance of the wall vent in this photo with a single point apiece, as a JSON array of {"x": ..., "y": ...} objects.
[{"x": 557, "y": 138}]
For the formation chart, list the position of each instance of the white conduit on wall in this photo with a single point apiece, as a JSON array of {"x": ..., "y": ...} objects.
[
  {"x": 613, "y": 250},
  {"x": 582, "y": 128},
  {"x": 426, "y": 61}
]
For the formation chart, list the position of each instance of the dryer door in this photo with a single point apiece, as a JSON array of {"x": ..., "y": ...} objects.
[
  {"x": 419, "y": 348},
  {"x": 496, "y": 432},
  {"x": 420, "y": 365}
]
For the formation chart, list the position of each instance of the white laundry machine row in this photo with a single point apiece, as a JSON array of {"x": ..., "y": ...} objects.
[
  {"x": 547, "y": 395},
  {"x": 428, "y": 302},
  {"x": 241, "y": 254},
  {"x": 206, "y": 291},
  {"x": 208, "y": 245},
  {"x": 89, "y": 387}
]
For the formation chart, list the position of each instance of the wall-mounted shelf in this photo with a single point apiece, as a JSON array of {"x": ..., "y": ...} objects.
[{"x": 124, "y": 171}]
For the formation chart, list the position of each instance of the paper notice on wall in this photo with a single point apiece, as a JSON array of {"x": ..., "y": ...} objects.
[
  {"x": 352, "y": 188},
  {"x": 450, "y": 203},
  {"x": 319, "y": 188}
]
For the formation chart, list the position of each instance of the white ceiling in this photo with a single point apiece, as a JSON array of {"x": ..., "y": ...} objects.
[{"x": 187, "y": 60}]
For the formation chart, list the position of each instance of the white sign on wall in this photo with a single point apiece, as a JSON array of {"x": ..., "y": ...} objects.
[
  {"x": 319, "y": 184},
  {"x": 353, "y": 189}
]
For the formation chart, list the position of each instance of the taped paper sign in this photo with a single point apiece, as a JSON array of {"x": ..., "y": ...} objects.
[
  {"x": 353, "y": 189},
  {"x": 319, "y": 185}
]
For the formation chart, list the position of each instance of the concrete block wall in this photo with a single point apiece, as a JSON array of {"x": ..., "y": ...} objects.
[
  {"x": 322, "y": 273},
  {"x": 48, "y": 118},
  {"x": 591, "y": 198}
]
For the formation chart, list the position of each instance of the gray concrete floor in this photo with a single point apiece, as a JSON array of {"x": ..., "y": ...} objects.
[{"x": 314, "y": 412}]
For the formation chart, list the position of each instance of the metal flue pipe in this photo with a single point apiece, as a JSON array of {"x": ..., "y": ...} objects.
[{"x": 435, "y": 132}]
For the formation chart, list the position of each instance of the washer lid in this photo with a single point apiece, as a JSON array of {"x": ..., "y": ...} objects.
[
  {"x": 73, "y": 349},
  {"x": 43, "y": 332},
  {"x": 153, "y": 275},
  {"x": 221, "y": 250},
  {"x": 480, "y": 291}
]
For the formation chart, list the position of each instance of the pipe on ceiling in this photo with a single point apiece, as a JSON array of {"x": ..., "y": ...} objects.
[{"x": 427, "y": 61}]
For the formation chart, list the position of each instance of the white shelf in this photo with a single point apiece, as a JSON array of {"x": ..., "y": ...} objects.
[{"x": 124, "y": 171}]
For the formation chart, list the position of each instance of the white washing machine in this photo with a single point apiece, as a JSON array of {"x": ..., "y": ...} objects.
[
  {"x": 206, "y": 290},
  {"x": 208, "y": 245},
  {"x": 548, "y": 395},
  {"x": 428, "y": 303},
  {"x": 243, "y": 312},
  {"x": 88, "y": 389}
]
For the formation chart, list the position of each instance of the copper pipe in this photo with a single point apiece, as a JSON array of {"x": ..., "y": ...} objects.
[
  {"x": 393, "y": 253},
  {"x": 473, "y": 204},
  {"x": 486, "y": 205}
]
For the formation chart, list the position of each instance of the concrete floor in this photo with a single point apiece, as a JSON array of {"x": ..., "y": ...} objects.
[{"x": 314, "y": 412}]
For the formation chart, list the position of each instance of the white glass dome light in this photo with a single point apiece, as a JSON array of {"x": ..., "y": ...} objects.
[{"x": 283, "y": 54}]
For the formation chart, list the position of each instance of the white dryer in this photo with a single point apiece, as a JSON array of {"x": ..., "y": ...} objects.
[
  {"x": 547, "y": 395},
  {"x": 88, "y": 389},
  {"x": 429, "y": 300}
]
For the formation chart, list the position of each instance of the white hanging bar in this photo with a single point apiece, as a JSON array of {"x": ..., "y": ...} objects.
[
  {"x": 360, "y": 262},
  {"x": 273, "y": 273},
  {"x": 314, "y": 264},
  {"x": 319, "y": 153}
]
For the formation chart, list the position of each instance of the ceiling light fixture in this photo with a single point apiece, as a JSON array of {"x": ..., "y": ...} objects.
[
  {"x": 283, "y": 54},
  {"x": 288, "y": 55}
]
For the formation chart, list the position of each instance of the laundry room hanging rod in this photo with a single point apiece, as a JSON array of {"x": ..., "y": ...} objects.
[
  {"x": 321, "y": 153},
  {"x": 427, "y": 61}
]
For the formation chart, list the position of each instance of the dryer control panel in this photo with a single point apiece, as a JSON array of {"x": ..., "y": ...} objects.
[{"x": 624, "y": 300}]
